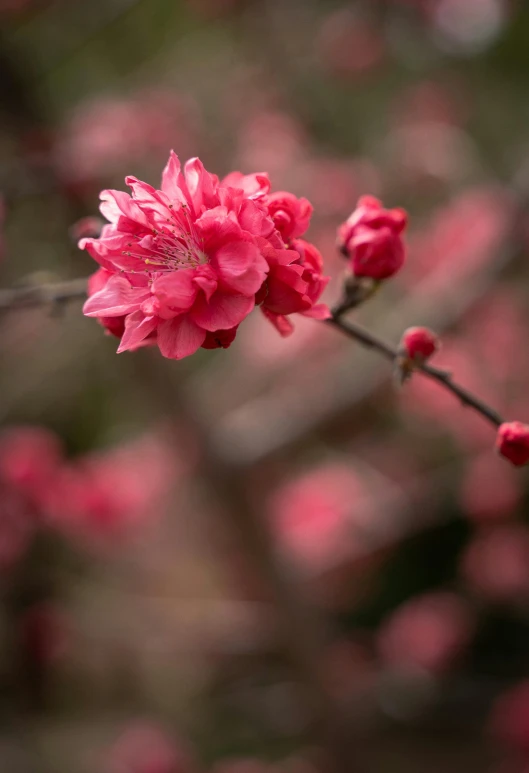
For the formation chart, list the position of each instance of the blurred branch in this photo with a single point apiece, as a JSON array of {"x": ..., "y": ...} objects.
[
  {"x": 371, "y": 341},
  {"x": 52, "y": 295},
  {"x": 60, "y": 293}
]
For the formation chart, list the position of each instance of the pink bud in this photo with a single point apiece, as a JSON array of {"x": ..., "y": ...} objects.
[
  {"x": 512, "y": 442},
  {"x": 371, "y": 238},
  {"x": 419, "y": 343}
]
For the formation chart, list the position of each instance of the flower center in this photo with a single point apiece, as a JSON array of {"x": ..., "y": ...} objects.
[{"x": 171, "y": 245}]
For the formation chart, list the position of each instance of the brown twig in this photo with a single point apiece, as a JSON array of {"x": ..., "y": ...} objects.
[
  {"x": 59, "y": 293},
  {"x": 371, "y": 341},
  {"x": 32, "y": 296}
]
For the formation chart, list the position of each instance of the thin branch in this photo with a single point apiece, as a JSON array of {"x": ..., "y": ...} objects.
[
  {"x": 59, "y": 293},
  {"x": 32, "y": 296},
  {"x": 371, "y": 341}
]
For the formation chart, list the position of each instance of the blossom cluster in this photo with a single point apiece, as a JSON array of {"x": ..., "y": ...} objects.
[
  {"x": 97, "y": 498},
  {"x": 183, "y": 266}
]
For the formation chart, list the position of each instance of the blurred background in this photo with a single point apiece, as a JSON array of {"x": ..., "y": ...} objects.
[{"x": 138, "y": 629}]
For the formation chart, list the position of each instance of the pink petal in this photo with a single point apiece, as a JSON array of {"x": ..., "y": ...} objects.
[
  {"x": 201, "y": 184},
  {"x": 176, "y": 291},
  {"x": 116, "y": 205},
  {"x": 137, "y": 328},
  {"x": 217, "y": 226},
  {"x": 115, "y": 299},
  {"x": 173, "y": 182},
  {"x": 241, "y": 266},
  {"x": 179, "y": 337},
  {"x": 319, "y": 311},
  {"x": 281, "y": 323},
  {"x": 153, "y": 203},
  {"x": 253, "y": 185},
  {"x": 207, "y": 284},
  {"x": 222, "y": 311},
  {"x": 255, "y": 219}
]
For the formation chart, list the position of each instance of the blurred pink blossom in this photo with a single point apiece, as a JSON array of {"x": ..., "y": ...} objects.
[
  {"x": 30, "y": 458},
  {"x": 496, "y": 563},
  {"x": 348, "y": 44},
  {"x": 490, "y": 489},
  {"x": 461, "y": 237},
  {"x": 430, "y": 632},
  {"x": 322, "y": 512},
  {"x": 107, "y": 133},
  {"x": 509, "y": 717},
  {"x": 108, "y": 495},
  {"x": 145, "y": 748},
  {"x": 429, "y": 102},
  {"x": 271, "y": 140}
]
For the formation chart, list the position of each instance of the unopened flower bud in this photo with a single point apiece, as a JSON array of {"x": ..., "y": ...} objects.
[
  {"x": 512, "y": 442},
  {"x": 371, "y": 238},
  {"x": 416, "y": 346},
  {"x": 419, "y": 343}
]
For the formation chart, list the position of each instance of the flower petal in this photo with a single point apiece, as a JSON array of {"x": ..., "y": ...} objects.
[
  {"x": 173, "y": 181},
  {"x": 137, "y": 328},
  {"x": 115, "y": 299},
  {"x": 202, "y": 185},
  {"x": 241, "y": 266},
  {"x": 224, "y": 310},
  {"x": 319, "y": 311},
  {"x": 118, "y": 207},
  {"x": 180, "y": 337},
  {"x": 176, "y": 291},
  {"x": 281, "y": 323}
]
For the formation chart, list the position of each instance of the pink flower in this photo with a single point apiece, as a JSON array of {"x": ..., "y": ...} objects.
[
  {"x": 372, "y": 239},
  {"x": 509, "y": 718},
  {"x": 30, "y": 460},
  {"x": 461, "y": 238},
  {"x": 317, "y": 514},
  {"x": 490, "y": 489},
  {"x": 496, "y": 564},
  {"x": 419, "y": 343},
  {"x": 105, "y": 134},
  {"x": 294, "y": 284},
  {"x": 144, "y": 748},
  {"x": 184, "y": 264},
  {"x": 429, "y": 632},
  {"x": 291, "y": 215},
  {"x": 512, "y": 442},
  {"x": 348, "y": 44},
  {"x": 105, "y": 496},
  {"x": 30, "y": 457}
]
